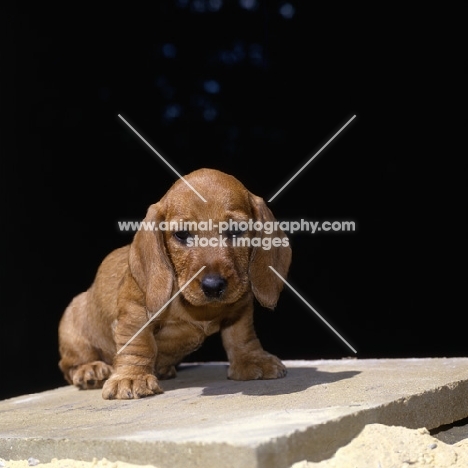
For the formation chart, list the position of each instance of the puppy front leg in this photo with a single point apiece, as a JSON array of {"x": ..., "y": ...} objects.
[
  {"x": 133, "y": 375},
  {"x": 247, "y": 359}
]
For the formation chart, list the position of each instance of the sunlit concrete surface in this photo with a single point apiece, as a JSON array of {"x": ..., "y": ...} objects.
[{"x": 203, "y": 419}]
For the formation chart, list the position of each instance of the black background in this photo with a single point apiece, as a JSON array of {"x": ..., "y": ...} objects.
[{"x": 252, "y": 88}]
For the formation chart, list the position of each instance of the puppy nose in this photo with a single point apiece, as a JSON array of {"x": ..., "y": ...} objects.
[{"x": 213, "y": 285}]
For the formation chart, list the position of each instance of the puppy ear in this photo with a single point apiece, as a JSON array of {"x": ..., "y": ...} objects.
[
  {"x": 149, "y": 263},
  {"x": 266, "y": 285}
]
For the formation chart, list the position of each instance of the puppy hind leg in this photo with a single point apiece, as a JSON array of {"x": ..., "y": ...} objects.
[{"x": 80, "y": 361}]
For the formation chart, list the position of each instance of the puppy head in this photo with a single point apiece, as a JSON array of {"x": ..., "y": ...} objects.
[{"x": 235, "y": 261}]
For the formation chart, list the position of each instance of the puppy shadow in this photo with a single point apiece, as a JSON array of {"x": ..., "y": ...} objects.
[{"x": 212, "y": 378}]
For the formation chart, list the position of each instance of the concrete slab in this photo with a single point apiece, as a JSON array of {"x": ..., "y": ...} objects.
[{"x": 205, "y": 420}]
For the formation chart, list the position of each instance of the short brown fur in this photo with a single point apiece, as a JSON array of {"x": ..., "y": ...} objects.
[{"x": 136, "y": 281}]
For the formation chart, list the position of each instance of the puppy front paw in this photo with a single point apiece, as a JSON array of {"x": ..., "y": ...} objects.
[
  {"x": 124, "y": 387},
  {"x": 91, "y": 375},
  {"x": 257, "y": 366}
]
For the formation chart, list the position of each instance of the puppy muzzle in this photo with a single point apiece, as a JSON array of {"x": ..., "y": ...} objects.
[{"x": 213, "y": 286}]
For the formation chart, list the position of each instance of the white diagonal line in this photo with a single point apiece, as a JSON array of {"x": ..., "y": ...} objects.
[
  {"x": 162, "y": 159},
  {"x": 160, "y": 310},
  {"x": 311, "y": 159},
  {"x": 310, "y": 307}
]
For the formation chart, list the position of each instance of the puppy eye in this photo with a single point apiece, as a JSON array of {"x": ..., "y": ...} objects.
[
  {"x": 235, "y": 233},
  {"x": 182, "y": 236}
]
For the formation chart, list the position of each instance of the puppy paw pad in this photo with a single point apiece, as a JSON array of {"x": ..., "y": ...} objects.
[
  {"x": 264, "y": 366},
  {"x": 124, "y": 388},
  {"x": 91, "y": 375}
]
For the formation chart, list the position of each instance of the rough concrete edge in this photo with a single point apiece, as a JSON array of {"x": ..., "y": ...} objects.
[
  {"x": 320, "y": 442},
  {"x": 451, "y": 407}
]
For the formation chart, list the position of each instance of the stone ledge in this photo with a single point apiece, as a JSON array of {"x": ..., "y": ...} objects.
[{"x": 203, "y": 419}]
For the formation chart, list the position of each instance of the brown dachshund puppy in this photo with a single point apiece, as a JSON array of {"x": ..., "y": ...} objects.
[{"x": 102, "y": 335}]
